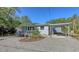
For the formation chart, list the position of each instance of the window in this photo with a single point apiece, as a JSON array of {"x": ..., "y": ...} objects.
[
  {"x": 31, "y": 28},
  {"x": 42, "y": 27}
]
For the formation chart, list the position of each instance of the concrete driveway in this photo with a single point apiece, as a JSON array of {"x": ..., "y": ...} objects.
[{"x": 49, "y": 44}]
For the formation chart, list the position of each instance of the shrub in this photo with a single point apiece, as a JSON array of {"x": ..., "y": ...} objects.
[
  {"x": 76, "y": 31},
  {"x": 35, "y": 32}
]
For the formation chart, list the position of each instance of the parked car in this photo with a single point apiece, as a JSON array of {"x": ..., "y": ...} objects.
[{"x": 58, "y": 32}]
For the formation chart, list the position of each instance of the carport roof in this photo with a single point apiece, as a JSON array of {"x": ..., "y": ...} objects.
[
  {"x": 61, "y": 24},
  {"x": 58, "y": 24}
]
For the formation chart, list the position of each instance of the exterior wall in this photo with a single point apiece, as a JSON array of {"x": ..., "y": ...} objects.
[{"x": 45, "y": 31}]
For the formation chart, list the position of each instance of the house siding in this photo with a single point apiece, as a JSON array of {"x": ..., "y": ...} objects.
[{"x": 44, "y": 31}]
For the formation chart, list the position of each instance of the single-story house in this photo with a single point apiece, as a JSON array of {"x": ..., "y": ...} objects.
[{"x": 47, "y": 29}]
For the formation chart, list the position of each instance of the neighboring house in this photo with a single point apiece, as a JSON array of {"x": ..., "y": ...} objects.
[{"x": 45, "y": 29}]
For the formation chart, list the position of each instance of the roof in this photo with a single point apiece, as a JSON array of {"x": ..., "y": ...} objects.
[{"x": 59, "y": 24}]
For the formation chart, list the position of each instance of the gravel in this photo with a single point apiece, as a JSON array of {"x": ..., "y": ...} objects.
[{"x": 49, "y": 44}]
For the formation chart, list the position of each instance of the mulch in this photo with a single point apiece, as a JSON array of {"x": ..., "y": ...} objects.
[{"x": 31, "y": 39}]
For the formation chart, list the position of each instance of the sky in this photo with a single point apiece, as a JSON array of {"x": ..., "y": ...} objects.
[{"x": 44, "y": 14}]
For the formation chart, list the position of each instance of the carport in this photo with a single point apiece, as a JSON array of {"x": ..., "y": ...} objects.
[{"x": 52, "y": 26}]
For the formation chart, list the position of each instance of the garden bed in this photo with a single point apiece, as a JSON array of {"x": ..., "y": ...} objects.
[
  {"x": 32, "y": 39},
  {"x": 75, "y": 36}
]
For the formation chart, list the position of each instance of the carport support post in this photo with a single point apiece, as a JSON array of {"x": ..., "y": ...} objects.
[
  {"x": 50, "y": 31},
  {"x": 68, "y": 30}
]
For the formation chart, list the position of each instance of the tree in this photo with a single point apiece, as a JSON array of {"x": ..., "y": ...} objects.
[
  {"x": 7, "y": 15},
  {"x": 25, "y": 21},
  {"x": 75, "y": 22},
  {"x": 60, "y": 20},
  {"x": 8, "y": 19}
]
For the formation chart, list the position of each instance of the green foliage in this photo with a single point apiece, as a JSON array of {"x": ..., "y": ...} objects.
[
  {"x": 60, "y": 20},
  {"x": 35, "y": 32},
  {"x": 65, "y": 29},
  {"x": 77, "y": 26},
  {"x": 74, "y": 16},
  {"x": 64, "y": 20},
  {"x": 7, "y": 16},
  {"x": 25, "y": 21},
  {"x": 9, "y": 19}
]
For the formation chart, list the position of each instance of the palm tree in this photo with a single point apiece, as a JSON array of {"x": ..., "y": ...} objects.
[{"x": 74, "y": 22}]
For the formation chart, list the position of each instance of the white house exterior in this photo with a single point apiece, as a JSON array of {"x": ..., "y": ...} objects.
[
  {"x": 48, "y": 29},
  {"x": 44, "y": 30}
]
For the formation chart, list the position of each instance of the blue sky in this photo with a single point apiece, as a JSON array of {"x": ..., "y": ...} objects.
[{"x": 44, "y": 14}]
